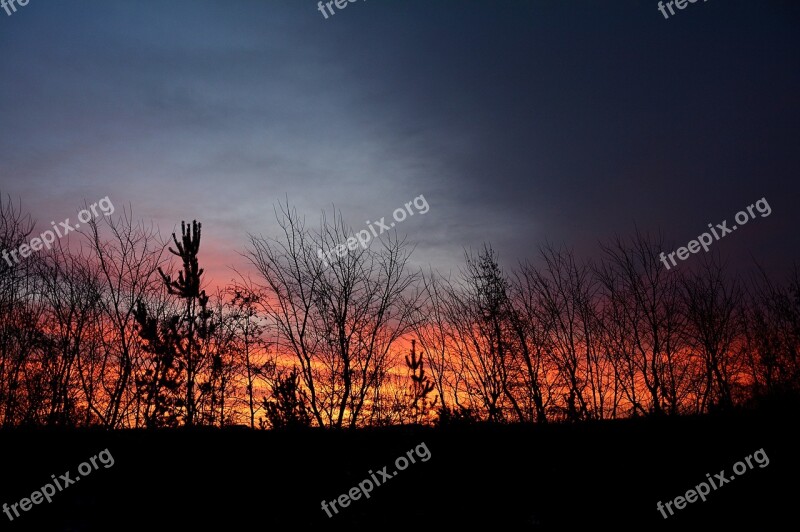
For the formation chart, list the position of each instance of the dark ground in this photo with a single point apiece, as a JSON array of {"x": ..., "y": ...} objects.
[{"x": 558, "y": 477}]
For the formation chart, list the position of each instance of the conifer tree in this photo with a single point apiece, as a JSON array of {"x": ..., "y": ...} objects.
[
  {"x": 421, "y": 385},
  {"x": 194, "y": 326}
]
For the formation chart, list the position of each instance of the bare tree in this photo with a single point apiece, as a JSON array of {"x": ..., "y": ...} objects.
[
  {"x": 712, "y": 305},
  {"x": 644, "y": 323},
  {"x": 127, "y": 256},
  {"x": 432, "y": 331},
  {"x": 532, "y": 332},
  {"x": 250, "y": 347},
  {"x": 772, "y": 334},
  {"x": 338, "y": 320},
  {"x": 566, "y": 293},
  {"x": 482, "y": 335},
  {"x": 72, "y": 295},
  {"x": 90, "y": 335},
  {"x": 20, "y": 312}
]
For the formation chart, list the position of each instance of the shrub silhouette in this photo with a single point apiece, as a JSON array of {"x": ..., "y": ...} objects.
[{"x": 288, "y": 408}]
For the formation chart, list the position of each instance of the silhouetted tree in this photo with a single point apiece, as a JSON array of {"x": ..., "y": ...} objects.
[
  {"x": 287, "y": 409},
  {"x": 194, "y": 325},
  {"x": 458, "y": 416},
  {"x": 713, "y": 306},
  {"x": 90, "y": 335},
  {"x": 533, "y": 338},
  {"x": 72, "y": 293},
  {"x": 421, "y": 386},
  {"x": 160, "y": 383},
  {"x": 565, "y": 292},
  {"x": 21, "y": 315},
  {"x": 250, "y": 342},
  {"x": 644, "y": 323},
  {"x": 127, "y": 255},
  {"x": 432, "y": 330},
  {"x": 339, "y": 320},
  {"x": 483, "y": 336},
  {"x": 772, "y": 333}
]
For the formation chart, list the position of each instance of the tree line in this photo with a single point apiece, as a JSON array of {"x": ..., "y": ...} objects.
[{"x": 113, "y": 327}]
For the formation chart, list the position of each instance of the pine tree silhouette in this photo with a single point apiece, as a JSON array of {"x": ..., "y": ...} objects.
[
  {"x": 159, "y": 386},
  {"x": 288, "y": 409},
  {"x": 420, "y": 385},
  {"x": 195, "y": 321}
]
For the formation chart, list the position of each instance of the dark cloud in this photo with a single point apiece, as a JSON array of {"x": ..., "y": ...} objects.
[{"x": 519, "y": 122}]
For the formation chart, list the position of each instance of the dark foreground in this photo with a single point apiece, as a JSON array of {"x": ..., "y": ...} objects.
[{"x": 556, "y": 477}]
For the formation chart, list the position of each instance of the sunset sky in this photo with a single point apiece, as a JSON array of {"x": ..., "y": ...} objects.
[{"x": 519, "y": 122}]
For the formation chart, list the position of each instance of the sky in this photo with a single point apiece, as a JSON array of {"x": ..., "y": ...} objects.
[{"x": 519, "y": 122}]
